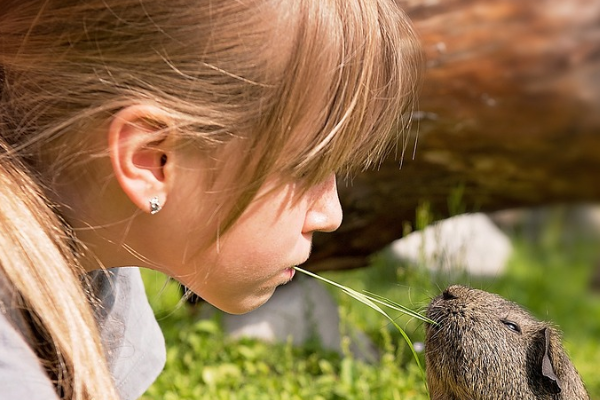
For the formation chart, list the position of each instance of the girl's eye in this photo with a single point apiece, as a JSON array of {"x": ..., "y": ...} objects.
[{"x": 512, "y": 326}]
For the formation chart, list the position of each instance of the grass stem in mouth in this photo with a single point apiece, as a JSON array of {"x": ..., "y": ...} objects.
[{"x": 373, "y": 300}]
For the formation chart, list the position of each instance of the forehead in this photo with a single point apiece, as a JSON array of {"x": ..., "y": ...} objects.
[{"x": 499, "y": 306}]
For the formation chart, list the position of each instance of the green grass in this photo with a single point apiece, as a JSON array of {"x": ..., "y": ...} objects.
[{"x": 550, "y": 278}]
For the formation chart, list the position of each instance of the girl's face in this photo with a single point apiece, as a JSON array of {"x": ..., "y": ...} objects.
[{"x": 240, "y": 271}]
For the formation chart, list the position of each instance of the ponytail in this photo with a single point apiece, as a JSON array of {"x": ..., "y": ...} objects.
[{"x": 39, "y": 264}]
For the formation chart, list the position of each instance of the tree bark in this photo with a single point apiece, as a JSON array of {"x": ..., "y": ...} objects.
[{"x": 509, "y": 116}]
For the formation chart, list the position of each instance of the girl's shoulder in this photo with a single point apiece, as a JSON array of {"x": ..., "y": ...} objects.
[
  {"x": 21, "y": 374},
  {"x": 132, "y": 338}
]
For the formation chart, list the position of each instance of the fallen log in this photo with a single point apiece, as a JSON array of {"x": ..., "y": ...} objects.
[{"x": 509, "y": 116}]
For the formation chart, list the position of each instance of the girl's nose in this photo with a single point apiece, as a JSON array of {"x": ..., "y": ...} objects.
[{"x": 325, "y": 211}]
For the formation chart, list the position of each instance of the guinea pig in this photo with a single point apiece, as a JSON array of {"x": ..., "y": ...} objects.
[{"x": 484, "y": 347}]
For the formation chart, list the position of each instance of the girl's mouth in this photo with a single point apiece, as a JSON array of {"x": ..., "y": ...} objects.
[{"x": 291, "y": 272}]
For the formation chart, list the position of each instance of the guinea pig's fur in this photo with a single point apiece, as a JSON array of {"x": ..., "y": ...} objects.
[{"x": 484, "y": 347}]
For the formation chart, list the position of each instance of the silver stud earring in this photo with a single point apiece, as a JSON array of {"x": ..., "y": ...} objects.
[{"x": 154, "y": 205}]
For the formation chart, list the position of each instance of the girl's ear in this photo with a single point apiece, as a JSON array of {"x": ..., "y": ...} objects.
[{"x": 138, "y": 144}]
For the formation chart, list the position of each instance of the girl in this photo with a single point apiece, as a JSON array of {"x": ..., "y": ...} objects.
[{"x": 199, "y": 138}]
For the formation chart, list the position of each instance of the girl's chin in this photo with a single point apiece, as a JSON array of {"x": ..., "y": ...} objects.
[
  {"x": 244, "y": 308},
  {"x": 252, "y": 301},
  {"x": 247, "y": 304}
]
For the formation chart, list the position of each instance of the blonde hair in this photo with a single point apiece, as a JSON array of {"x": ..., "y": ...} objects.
[
  {"x": 309, "y": 87},
  {"x": 34, "y": 257}
]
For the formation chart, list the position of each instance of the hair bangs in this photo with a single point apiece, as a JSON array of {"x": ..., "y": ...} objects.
[{"x": 357, "y": 67}]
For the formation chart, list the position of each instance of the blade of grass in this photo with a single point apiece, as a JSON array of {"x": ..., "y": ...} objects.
[
  {"x": 398, "y": 307},
  {"x": 372, "y": 302}
]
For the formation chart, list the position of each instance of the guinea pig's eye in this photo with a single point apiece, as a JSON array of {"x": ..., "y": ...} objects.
[{"x": 512, "y": 326}]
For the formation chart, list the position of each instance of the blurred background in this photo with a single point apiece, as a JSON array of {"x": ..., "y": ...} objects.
[{"x": 495, "y": 186}]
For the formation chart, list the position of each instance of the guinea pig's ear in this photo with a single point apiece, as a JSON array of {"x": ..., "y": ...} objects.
[{"x": 547, "y": 369}]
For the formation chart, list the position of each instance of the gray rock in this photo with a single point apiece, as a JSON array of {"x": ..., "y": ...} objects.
[
  {"x": 301, "y": 311},
  {"x": 469, "y": 243}
]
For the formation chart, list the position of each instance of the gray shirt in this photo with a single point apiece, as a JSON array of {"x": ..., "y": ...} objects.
[{"x": 131, "y": 336}]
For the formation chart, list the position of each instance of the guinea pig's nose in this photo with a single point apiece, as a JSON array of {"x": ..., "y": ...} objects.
[{"x": 448, "y": 295}]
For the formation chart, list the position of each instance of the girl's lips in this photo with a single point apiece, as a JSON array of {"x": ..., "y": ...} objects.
[{"x": 291, "y": 272}]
